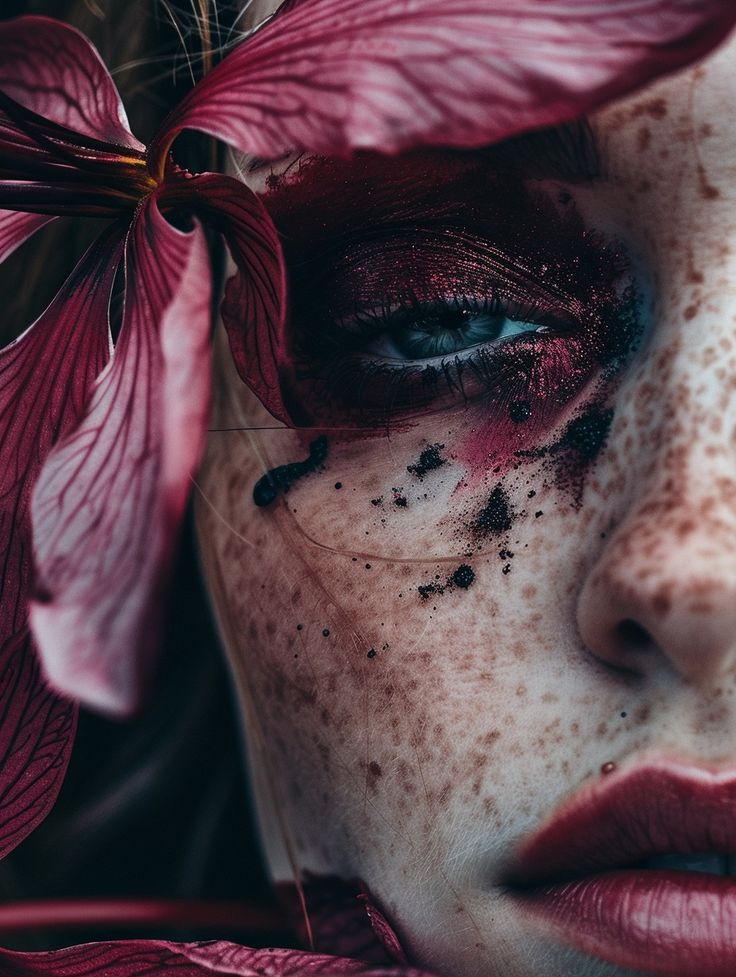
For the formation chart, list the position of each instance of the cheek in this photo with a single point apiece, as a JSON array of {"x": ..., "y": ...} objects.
[{"x": 393, "y": 691}]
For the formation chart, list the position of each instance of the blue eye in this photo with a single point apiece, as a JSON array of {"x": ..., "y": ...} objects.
[{"x": 422, "y": 331}]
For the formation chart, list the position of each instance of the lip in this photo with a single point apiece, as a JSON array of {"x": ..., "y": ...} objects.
[{"x": 580, "y": 874}]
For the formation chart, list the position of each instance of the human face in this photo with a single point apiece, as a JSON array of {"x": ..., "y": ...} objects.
[{"x": 419, "y": 739}]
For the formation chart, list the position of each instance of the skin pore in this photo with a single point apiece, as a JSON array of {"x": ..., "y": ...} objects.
[{"x": 413, "y": 740}]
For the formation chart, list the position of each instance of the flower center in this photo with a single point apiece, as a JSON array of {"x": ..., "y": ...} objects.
[{"x": 49, "y": 169}]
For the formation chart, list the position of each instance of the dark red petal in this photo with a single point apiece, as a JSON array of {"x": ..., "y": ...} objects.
[
  {"x": 15, "y": 228},
  {"x": 333, "y": 76},
  {"x": 45, "y": 376},
  {"x": 254, "y": 306},
  {"x": 110, "y": 497},
  {"x": 151, "y": 958},
  {"x": 52, "y": 69}
]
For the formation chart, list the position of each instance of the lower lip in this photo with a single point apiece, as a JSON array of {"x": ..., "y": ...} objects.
[{"x": 679, "y": 924}]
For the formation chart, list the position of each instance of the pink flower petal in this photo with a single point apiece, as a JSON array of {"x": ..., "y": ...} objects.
[
  {"x": 44, "y": 379},
  {"x": 52, "y": 69},
  {"x": 109, "y": 499},
  {"x": 254, "y": 306},
  {"x": 15, "y": 228},
  {"x": 332, "y": 76},
  {"x": 152, "y": 958}
]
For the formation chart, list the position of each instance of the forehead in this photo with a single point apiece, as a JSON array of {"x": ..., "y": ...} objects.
[{"x": 684, "y": 122}]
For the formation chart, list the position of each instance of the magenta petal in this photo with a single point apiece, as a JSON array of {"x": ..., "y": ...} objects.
[
  {"x": 151, "y": 958},
  {"x": 332, "y": 76},
  {"x": 15, "y": 228},
  {"x": 52, "y": 69},
  {"x": 110, "y": 497},
  {"x": 44, "y": 379},
  {"x": 254, "y": 306}
]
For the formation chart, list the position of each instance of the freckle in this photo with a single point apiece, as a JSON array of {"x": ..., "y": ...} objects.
[
  {"x": 643, "y": 137},
  {"x": 375, "y": 769},
  {"x": 707, "y": 190},
  {"x": 608, "y": 767},
  {"x": 656, "y": 108},
  {"x": 690, "y": 312}
]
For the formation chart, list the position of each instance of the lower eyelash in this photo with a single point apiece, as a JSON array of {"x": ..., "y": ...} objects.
[{"x": 544, "y": 368}]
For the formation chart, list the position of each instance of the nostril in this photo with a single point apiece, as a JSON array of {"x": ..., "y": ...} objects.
[{"x": 631, "y": 636}]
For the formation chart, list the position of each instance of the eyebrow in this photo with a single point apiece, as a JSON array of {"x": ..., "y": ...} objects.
[{"x": 569, "y": 152}]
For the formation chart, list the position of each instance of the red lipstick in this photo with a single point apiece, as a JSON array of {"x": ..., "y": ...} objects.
[{"x": 634, "y": 870}]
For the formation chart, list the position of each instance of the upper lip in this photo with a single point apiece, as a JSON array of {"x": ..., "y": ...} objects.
[{"x": 656, "y": 808}]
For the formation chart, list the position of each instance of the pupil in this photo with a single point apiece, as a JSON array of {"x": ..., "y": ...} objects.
[{"x": 451, "y": 319}]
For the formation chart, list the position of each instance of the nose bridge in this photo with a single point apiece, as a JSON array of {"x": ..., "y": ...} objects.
[{"x": 667, "y": 576}]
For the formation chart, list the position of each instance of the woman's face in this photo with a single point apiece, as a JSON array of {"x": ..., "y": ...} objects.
[{"x": 511, "y": 576}]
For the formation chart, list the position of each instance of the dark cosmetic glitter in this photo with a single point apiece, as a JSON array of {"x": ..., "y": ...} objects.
[
  {"x": 497, "y": 515},
  {"x": 281, "y": 479},
  {"x": 463, "y": 578},
  {"x": 587, "y": 434},
  {"x": 429, "y": 460}
]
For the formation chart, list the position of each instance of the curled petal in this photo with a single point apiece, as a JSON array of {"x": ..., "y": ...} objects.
[
  {"x": 53, "y": 70},
  {"x": 15, "y": 228},
  {"x": 45, "y": 376},
  {"x": 152, "y": 958},
  {"x": 110, "y": 497},
  {"x": 254, "y": 306},
  {"x": 332, "y": 76}
]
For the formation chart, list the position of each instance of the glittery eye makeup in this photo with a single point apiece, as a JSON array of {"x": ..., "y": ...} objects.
[{"x": 442, "y": 279}]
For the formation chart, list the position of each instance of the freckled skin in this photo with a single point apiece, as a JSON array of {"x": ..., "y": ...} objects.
[{"x": 420, "y": 767}]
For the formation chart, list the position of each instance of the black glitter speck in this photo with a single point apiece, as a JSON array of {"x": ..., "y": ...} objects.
[
  {"x": 429, "y": 460},
  {"x": 520, "y": 411},
  {"x": 497, "y": 515},
  {"x": 463, "y": 576},
  {"x": 281, "y": 479}
]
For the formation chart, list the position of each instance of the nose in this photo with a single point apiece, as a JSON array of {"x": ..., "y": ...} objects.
[{"x": 662, "y": 593}]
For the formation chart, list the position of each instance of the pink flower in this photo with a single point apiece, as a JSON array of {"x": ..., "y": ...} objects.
[
  {"x": 99, "y": 445},
  {"x": 147, "y": 958}
]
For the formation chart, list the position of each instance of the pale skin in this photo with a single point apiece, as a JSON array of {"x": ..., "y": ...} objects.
[{"x": 420, "y": 769}]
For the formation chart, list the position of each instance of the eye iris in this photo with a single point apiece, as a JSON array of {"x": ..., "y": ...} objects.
[{"x": 444, "y": 331}]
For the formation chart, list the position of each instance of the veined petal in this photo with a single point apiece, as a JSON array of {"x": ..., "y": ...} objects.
[
  {"x": 15, "y": 228},
  {"x": 53, "y": 70},
  {"x": 110, "y": 497},
  {"x": 254, "y": 306},
  {"x": 154, "y": 958},
  {"x": 332, "y": 76},
  {"x": 45, "y": 376}
]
